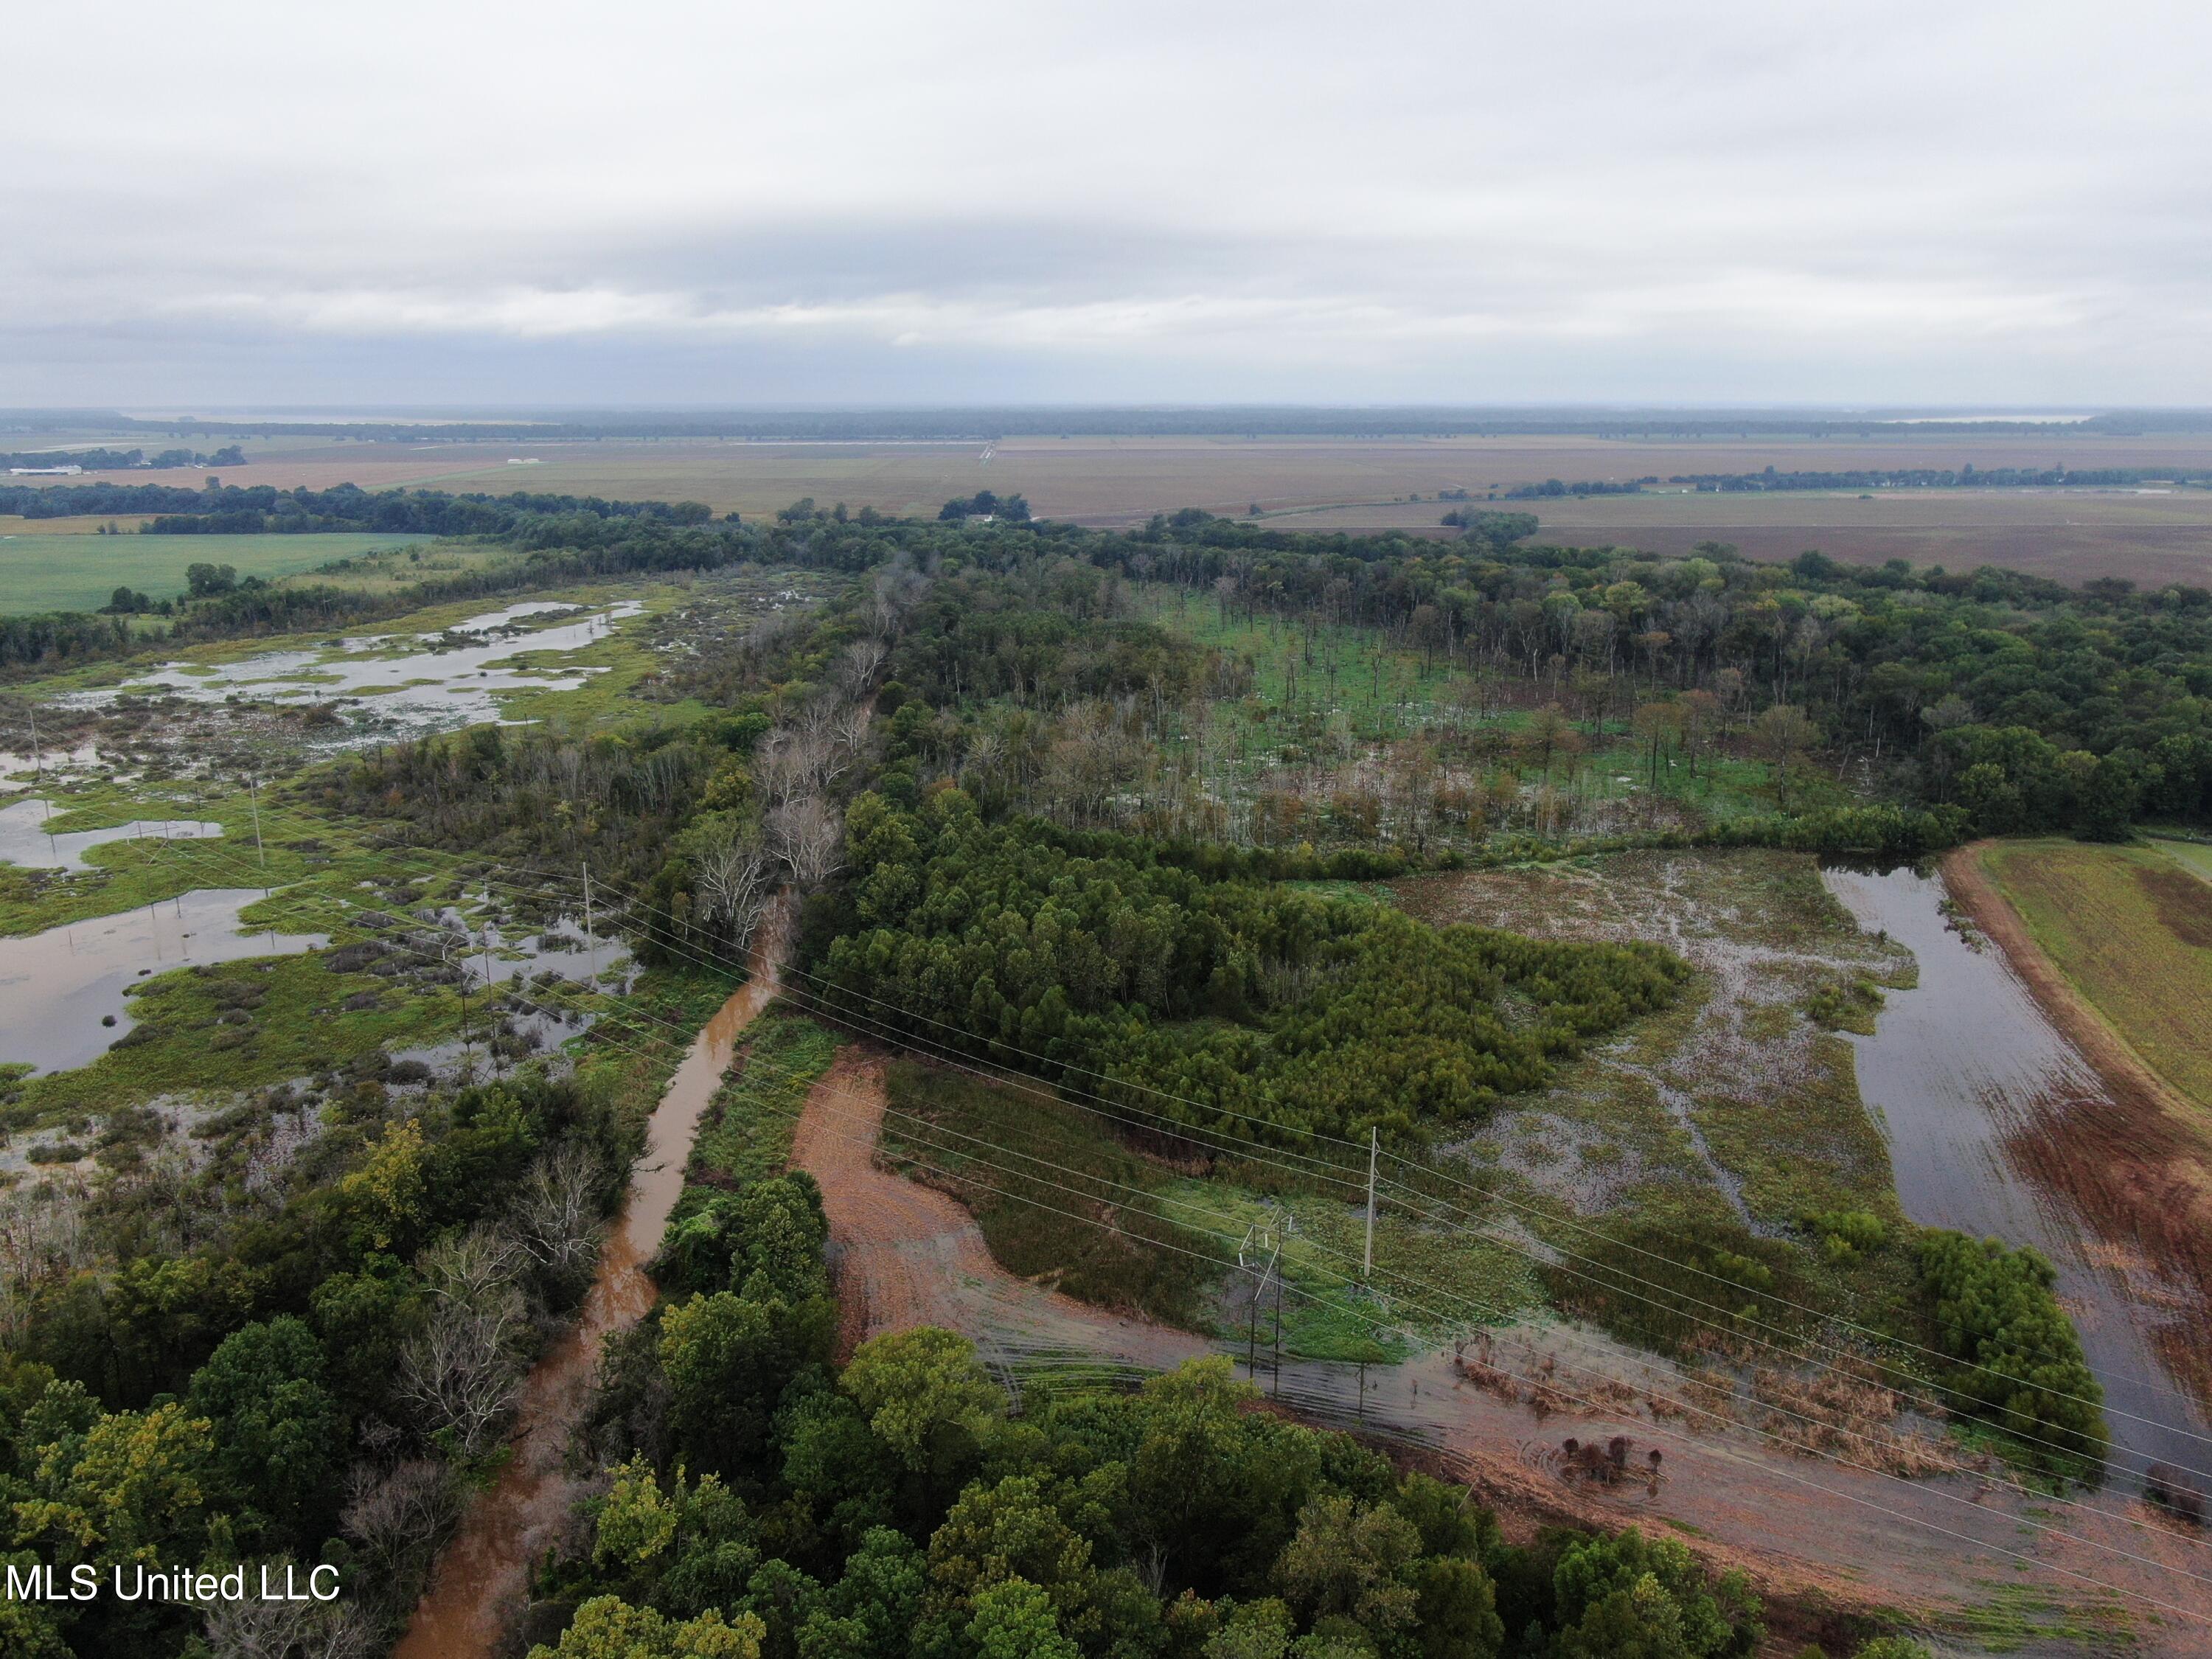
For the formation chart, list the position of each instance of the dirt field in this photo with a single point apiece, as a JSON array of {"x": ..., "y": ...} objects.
[
  {"x": 2066, "y": 535},
  {"x": 1352, "y": 483},
  {"x": 1805, "y": 1530}
]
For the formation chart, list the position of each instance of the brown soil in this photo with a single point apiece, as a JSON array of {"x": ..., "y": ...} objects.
[
  {"x": 1823, "y": 1539},
  {"x": 2141, "y": 1170}
]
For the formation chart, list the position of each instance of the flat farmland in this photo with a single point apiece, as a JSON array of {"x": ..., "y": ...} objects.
[
  {"x": 1352, "y": 485},
  {"x": 40, "y": 572},
  {"x": 2130, "y": 928},
  {"x": 2068, "y": 535}
]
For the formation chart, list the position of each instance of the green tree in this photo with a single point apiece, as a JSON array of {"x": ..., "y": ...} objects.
[
  {"x": 925, "y": 1394},
  {"x": 1350, "y": 1559},
  {"x": 1015, "y": 1619},
  {"x": 279, "y": 1437},
  {"x": 728, "y": 1361},
  {"x": 607, "y": 1627}
]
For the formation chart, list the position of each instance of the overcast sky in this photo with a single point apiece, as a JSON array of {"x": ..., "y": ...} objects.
[{"x": 910, "y": 202}]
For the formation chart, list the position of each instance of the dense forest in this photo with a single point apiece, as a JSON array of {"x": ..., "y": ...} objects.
[
  {"x": 298, "y": 1356},
  {"x": 2018, "y": 702},
  {"x": 1218, "y": 1001}
]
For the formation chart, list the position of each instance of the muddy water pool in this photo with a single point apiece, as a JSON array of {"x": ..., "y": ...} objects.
[
  {"x": 25, "y": 840},
  {"x": 58, "y": 987},
  {"x": 1958, "y": 1071}
]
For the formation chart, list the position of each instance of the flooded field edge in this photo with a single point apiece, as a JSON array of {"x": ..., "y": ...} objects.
[
  {"x": 2141, "y": 1172},
  {"x": 2000, "y": 1126}
]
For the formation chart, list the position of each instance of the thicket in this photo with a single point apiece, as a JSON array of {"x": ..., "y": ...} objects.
[
  {"x": 2018, "y": 1361},
  {"x": 309, "y": 1373},
  {"x": 1205, "y": 998}
]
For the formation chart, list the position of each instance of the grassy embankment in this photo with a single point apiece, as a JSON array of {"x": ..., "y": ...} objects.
[{"x": 2131, "y": 929}]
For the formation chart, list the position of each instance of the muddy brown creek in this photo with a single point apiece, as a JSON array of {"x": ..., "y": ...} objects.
[
  {"x": 480, "y": 1580},
  {"x": 1968, "y": 1078}
]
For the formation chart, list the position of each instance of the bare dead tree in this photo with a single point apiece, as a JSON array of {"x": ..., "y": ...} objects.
[
  {"x": 42, "y": 1237},
  {"x": 556, "y": 1212},
  {"x": 462, "y": 1370},
  {"x": 782, "y": 770},
  {"x": 863, "y": 661},
  {"x": 393, "y": 1513},
  {"x": 254, "y": 1628},
  {"x": 736, "y": 876},
  {"x": 809, "y": 837}
]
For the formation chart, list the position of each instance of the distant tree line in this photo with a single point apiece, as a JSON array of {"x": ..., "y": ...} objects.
[
  {"x": 118, "y": 460},
  {"x": 1968, "y": 476},
  {"x": 1552, "y": 487},
  {"x": 220, "y": 509}
]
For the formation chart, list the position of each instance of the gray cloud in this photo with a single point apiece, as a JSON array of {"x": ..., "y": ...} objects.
[{"x": 1724, "y": 201}]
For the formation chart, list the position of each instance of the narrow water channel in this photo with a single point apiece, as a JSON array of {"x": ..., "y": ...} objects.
[
  {"x": 1961, "y": 1069},
  {"x": 481, "y": 1579}
]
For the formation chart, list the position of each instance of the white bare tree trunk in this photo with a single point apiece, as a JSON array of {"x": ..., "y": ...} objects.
[{"x": 809, "y": 837}]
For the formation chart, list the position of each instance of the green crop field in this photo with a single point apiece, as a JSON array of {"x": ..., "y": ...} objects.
[{"x": 76, "y": 572}]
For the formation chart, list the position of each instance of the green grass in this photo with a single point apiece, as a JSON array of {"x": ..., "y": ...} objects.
[
  {"x": 39, "y": 573},
  {"x": 2130, "y": 927},
  {"x": 1111, "y": 1240},
  {"x": 2194, "y": 856},
  {"x": 746, "y": 1135}
]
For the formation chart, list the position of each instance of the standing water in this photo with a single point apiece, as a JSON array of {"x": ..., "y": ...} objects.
[
  {"x": 481, "y": 1580},
  {"x": 64, "y": 993},
  {"x": 1961, "y": 1068}
]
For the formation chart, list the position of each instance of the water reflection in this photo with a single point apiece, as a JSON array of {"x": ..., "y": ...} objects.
[
  {"x": 25, "y": 840},
  {"x": 426, "y": 680},
  {"x": 56, "y": 987},
  {"x": 1959, "y": 1070}
]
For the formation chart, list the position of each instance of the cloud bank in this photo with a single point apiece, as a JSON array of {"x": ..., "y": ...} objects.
[{"x": 935, "y": 202}]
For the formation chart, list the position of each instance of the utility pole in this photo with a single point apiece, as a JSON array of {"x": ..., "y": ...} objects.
[
  {"x": 591, "y": 939},
  {"x": 1374, "y": 1146},
  {"x": 38, "y": 756},
  {"x": 253, "y": 794}
]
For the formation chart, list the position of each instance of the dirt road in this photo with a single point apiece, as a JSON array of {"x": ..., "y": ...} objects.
[{"x": 1804, "y": 1528}]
